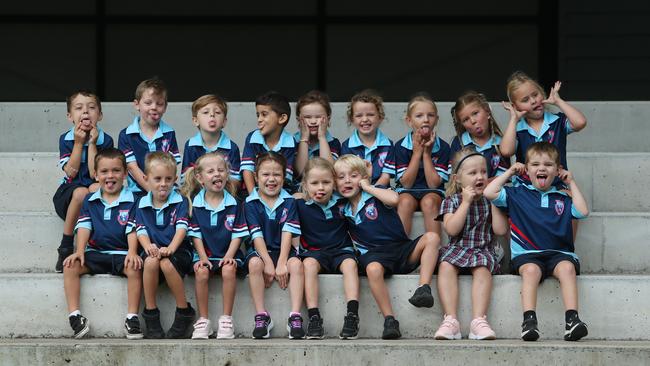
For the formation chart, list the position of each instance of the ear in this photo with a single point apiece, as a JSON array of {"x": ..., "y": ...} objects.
[
  {"x": 101, "y": 115},
  {"x": 225, "y": 121},
  {"x": 195, "y": 121},
  {"x": 69, "y": 116},
  {"x": 136, "y": 104},
  {"x": 283, "y": 119}
]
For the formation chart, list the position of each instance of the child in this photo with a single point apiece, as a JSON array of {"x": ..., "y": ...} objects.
[
  {"x": 476, "y": 127},
  {"x": 471, "y": 223},
  {"x": 378, "y": 234},
  {"x": 161, "y": 219},
  {"x": 209, "y": 116},
  {"x": 541, "y": 237},
  {"x": 327, "y": 245},
  {"x": 366, "y": 112},
  {"x": 272, "y": 221},
  {"x": 421, "y": 161},
  {"x": 106, "y": 243},
  {"x": 273, "y": 113},
  {"x": 78, "y": 148},
  {"x": 147, "y": 133}
]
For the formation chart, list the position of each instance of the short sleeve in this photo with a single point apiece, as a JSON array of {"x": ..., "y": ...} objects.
[
  {"x": 182, "y": 215},
  {"x": 194, "y": 230},
  {"x": 290, "y": 154},
  {"x": 402, "y": 159},
  {"x": 240, "y": 228},
  {"x": 335, "y": 148},
  {"x": 188, "y": 160},
  {"x": 65, "y": 150},
  {"x": 389, "y": 162},
  {"x": 292, "y": 223},
  {"x": 138, "y": 221},
  {"x": 442, "y": 164},
  {"x": 173, "y": 148},
  {"x": 252, "y": 220},
  {"x": 502, "y": 199},
  {"x": 235, "y": 162},
  {"x": 449, "y": 205},
  {"x": 248, "y": 156},
  {"x": 576, "y": 214},
  {"x": 84, "y": 221},
  {"x": 124, "y": 144}
]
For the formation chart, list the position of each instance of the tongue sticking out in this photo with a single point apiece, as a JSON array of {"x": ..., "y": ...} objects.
[
  {"x": 425, "y": 131},
  {"x": 541, "y": 181}
]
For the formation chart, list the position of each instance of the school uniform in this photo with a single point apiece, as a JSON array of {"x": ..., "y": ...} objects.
[
  {"x": 381, "y": 154},
  {"x": 496, "y": 163},
  {"x": 439, "y": 157},
  {"x": 195, "y": 148},
  {"x": 256, "y": 144},
  {"x": 314, "y": 151}
]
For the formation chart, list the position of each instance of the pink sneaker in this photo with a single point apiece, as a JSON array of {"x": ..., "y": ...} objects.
[
  {"x": 449, "y": 329},
  {"x": 226, "y": 328},
  {"x": 480, "y": 329}
]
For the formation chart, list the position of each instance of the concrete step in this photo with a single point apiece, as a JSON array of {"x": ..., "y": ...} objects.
[
  {"x": 609, "y": 181},
  {"x": 36, "y": 126},
  {"x": 102, "y": 352},
  {"x": 614, "y": 307}
]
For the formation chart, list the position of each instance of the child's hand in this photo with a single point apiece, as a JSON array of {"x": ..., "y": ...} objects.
[
  {"x": 92, "y": 135},
  {"x": 428, "y": 144},
  {"x": 269, "y": 274},
  {"x": 514, "y": 113},
  {"x": 418, "y": 143},
  {"x": 469, "y": 194},
  {"x": 226, "y": 261},
  {"x": 322, "y": 128},
  {"x": 554, "y": 94},
  {"x": 204, "y": 262},
  {"x": 566, "y": 176},
  {"x": 165, "y": 252},
  {"x": 68, "y": 262},
  {"x": 134, "y": 260},
  {"x": 364, "y": 184},
  {"x": 304, "y": 129},
  {"x": 368, "y": 167},
  {"x": 517, "y": 168},
  {"x": 79, "y": 134},
  {"x": 282, "y": 275},
  {"x": 152, "y": 251}
]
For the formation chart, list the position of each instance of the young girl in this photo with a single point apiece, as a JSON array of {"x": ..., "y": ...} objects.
[
  {"x": 421, "y": 160},
  {"x": 217, "y": 228},
  {"x": 209, "y": 115},
  {"x": 272, "y": 222},
  {"x": 471, "y": 222},
  {"x": 378, "y": 234},
  {"x": 327, "y": 245},
  {"x": 366, "y": 113}
]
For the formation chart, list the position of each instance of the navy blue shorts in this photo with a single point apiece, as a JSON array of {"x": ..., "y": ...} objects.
[
  {"x": 274, "y": 254},
  {"x": 418, "y": 194},
  {"x": 63, "y": 196},
  {"x": 395, "y": 259},
  {"x": 181, "y": 260},
  {"x": 103, "y": 263},
  {"x": 546, "y": 261},
  {"x": 242, "y": 270},
  {"x": 329, "y": 259}
]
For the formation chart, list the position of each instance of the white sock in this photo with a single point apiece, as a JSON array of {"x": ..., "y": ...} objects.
[
  {"x": 131, "y": 315},
  {"x": 76, "y": 312}
]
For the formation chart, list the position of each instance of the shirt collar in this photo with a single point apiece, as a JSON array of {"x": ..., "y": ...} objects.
[
  {"x": 328, "y": 136},
  {"x": 285, "y": 140},
  {"x": 407, "y": 143},
  {"x": 549, "y": 119},
  {"x": 553, "y": 189},
  {"x": 466, "y": 139},
  {"x": 228, "y": 200},
  {"x": 125, "y": 196},
  {"x": 347, "y": 210},
  {"x": 332, "y": 202},
  {"x": 380, "y": 140},
  {"x": 100, "y": 137},
  {"x": 134, "y": 127},
  {"x": 255, "y": 196},
  {"x": 223, "y": 143},
  {"x": 147, "y": 201}
]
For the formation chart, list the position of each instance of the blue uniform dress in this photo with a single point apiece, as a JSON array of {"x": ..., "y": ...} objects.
[
  {"x": 381, "y": 154},
  {"x": 439, "y": 157},
  {"x": 161, "y": 224},
  {"x": 378, "y": 235},
  {"x": 109, "y": 225},
  {"x": 135, "y": 146},
  {"x": 540, "y": 226},
  {"x": 496, "y": 163},
  {"x": 195, "y": 148},
  {"x": 217, "y": 227},
  {"x": 255, "y": 145},
  {"x": 325, "y": 233},
  {"x": 270, "y": 222}
]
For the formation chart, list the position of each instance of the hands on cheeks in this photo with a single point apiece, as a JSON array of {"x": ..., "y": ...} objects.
[
  {"x": 566, "y": 176},
  {"x": 514, "y": 113},
  {"x": 554, "y": 94},
  {"x": 517, "y": 169}
]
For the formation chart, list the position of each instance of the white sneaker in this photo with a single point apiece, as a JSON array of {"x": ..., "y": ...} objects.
[
  {"x": 226, "y": 328},
  {"x": 202, "y": 329}
]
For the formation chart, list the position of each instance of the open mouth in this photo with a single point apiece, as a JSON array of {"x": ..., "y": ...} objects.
[
  {"x": 542, "y": 179},
  {"x": 110, "y": 184},
  {"x": 480, "y": 185}
]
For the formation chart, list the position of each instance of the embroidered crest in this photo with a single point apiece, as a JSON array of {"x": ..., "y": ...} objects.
[
  {"x": 551, "y": 135},
  {"x": 164, "y": 145},
  {"x": 123, "y": 217},
  {"x": 371, "y": 212},
  {"x": 285, "y": 213},
  {"x": 229, "y": 222},
  {"x": 559, "y": 207},
  {"x": 495, "y": 161},
  {"x": 172, "y": 217},
  {"x": 382, "y": 158}
]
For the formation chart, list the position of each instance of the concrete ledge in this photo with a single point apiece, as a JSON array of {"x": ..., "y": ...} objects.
[{"x": 615, "y": 307}]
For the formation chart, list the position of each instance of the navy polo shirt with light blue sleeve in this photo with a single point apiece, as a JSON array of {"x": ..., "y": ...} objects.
[
  {"x": 66, "y": 144},
  {"x": 555, "y": 129},
  {"x": 439, "y": 157},
  {"x": 109, "y": 223},
  {"x": 255, "y": 145},
  {"x": 496, "y": 163},
  {"x": 314, "y": 150},
  {"x": 380, "y": 154},
  {"x": 195, "y": 148},
  {"x": 135, "y": 146},
  {"x": 323, "y": 227},
  {"x": 270, "y": 222},
  {"x": 539, "y": 221},
  {"x": 217, "y": 226},
  {"x": 161, "y": 224}
]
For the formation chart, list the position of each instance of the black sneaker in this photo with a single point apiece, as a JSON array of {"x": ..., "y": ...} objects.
[
  {"x": 132, "y": 327},
  {"x": 294, "y": 327},
  {"x": 79, "y": 325},
  {"x": 350, "y": 328},
  {"x": 422, "y": 297},
  {"x": 315, "y": 328},
  {"x": 263, "y": 326},
  {"x": 391, "y": 328},
  {"x": 63, "y": 254},
  {"x": 529, "y": 331},
  {"x": 575, "y": 330},
  {"x": 182, "y": 324}
]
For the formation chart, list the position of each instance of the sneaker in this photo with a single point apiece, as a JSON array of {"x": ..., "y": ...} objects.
[
  {"x": 294, "y": 327},
  {"x": 79, "y": 325},
  {"x": 263, "y": 326},
  {"x": 391, "y": 328},
  {"x": 152, "y": 322},
  {"x": 350, "y": 328},
  {"x": 182, "y": 323},
  {"x": 480, "y": 329},
  {"x": 132, "y": 327},
  {"x": 202, "y": 329},
  {"x": 422, "y": 297},
  {"x": 226, "y": 328},
  {"x": 315, "y": 328},
  {"x": 449, "y": 329},
  {"x": 575, "y": 330},
  {"x": 63, "y": 254},
  {"x": 529, "y": 331}
]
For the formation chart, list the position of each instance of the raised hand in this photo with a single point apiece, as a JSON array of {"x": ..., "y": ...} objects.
[
  {"x": 514, "y": 113},
  {"x": 469, "y": 194},
  {"x": 554, "y": 94}
]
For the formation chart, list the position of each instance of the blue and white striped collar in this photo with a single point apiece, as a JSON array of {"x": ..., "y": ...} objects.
[
  {"x": 347, "y": 210},
  {"x": 256, "y": 196}
]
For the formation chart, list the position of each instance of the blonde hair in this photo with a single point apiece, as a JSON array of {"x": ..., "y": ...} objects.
[
  {"x": 366, "y": 96},
  {"x": 315, "y": 163},
  {"x": 156, "y": 85},
  {"x": 544, "y": 147},
  {"x": 192, "y": 186},
  {"x": 517, "y": 79},
  {"x": 204, "y": 100},
  {"x": 355, "y": 163},
  {"x": 420, "y": 97},
  {"x": 317, "y": 97},
  {"x": 159, "y": 157},
  {"x": 466, "y": 99},
  {"x": 454, "y": 186}
]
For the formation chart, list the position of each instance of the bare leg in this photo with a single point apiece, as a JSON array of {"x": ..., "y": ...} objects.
[
  {"x": 405, "y": 208},
  {"x": 174, "y": 282},
  {"x": 448, "y": 288},
  {"x": 430, "y": 206},
  {"x": 350, "y": 279},
  {"x": 150, "y": 277},
  {"x": 256, "y": 283},
  {"x": 72, "y": 284},
  {"x": 426, "y": 251},
  {"x": 229, "y": 287},
  {"x": 296, "y": 283},
  {"x": 134, "y": 289},
  {"x": 312, "y": 267},
  {"x": 531, "y": 274},
  {"x": 375, "y": 272},
  {"x": 74, "y": 208},
  {"x": 481, "y": 290},
  {"x": 565, "y": 273},
  {"x": 201, "y": 277}
]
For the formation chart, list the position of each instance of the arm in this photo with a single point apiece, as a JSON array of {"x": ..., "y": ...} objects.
[
  {"x": 150, "y": 248},
  {"x": 410, "y": 174},
  {"x": 269, "y": 271},
  {"x": 176, "y": 242},
  {"x": 492, "y": 190},
  {"x": 499, "y": 221},
  {"x": 92, "y": 151},
  {"x": 229, "y": 257},
  {"x": 324, "y": 150},
  {"x": 579, "y": 202},
  {"x": 83, "y": 235},
  {"x": 71, "y": 167},
  {"x": 384, "y": 179},
  {"x": 137, "y": 174},
  {"x": 203, "y": 256},
  {"x": 249, "y": 180},
  {"x": 455, "y": 221},
  {"x": 132, "y": 257},
  {"x": 509, "y": 140},
  {"x": 302, "y": 151},
  {"x": 281, "y": 271},
  {"x": 433, "y": 179},
  {"x": 577, "y": 120},
  {"x": 387, "y": 196}
]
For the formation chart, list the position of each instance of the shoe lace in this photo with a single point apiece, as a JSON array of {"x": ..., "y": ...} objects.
[
  {"x": 349, "y": 321},
  {"x": 260, "y": 320},
  {"x": 448, "y": 322},
  {"x": 481, "y": 323},
  {"x": 295, "y": 321}
]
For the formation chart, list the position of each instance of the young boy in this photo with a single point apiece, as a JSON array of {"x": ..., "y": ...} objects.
[
  {"x": 541, "y": 241},
  {"x": 147, "y": 133},
  {"x": 273, "y": 112},
  {"x": 78, "y": 148},
  {"x": 106, "y": 243}
]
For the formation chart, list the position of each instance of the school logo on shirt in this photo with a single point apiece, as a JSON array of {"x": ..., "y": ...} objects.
[
  {"x": 123, "y": 217},
  {"x": 495, "y": 161},
  {"x": 284, "y": 215},
  {"x": 371, "y": 212},
  {"x": 551, "y": 135},
  {"x": 382, "y": 158},
  {"x": 164, "y": 145},
  {"x": 229, "y": 222},
  {"x": 559, "y": 207},
  {"x": 172, "y": 217}
]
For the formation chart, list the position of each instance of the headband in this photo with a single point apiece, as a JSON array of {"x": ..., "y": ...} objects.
[{"x": 465, "y": 158}]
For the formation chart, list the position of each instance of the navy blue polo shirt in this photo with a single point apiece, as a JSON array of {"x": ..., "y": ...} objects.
[
  {"x": 195, "y": 148},
  {"x": 314, "y": 150},
  {"x": 269, "y": 222},
  {"x": 108, "y": 223},
  {"x": 161, "y": 224},
  {"x": 555, "y": 129},
  {"x": 380, "y": 154},
  {"x": 497, "y": 164},
  {"x": 66, "y": 144},
  {"x": 217, "y": 226},
  {"x": 255, "y": 145},
  {"x": 439, "y": 157},
  {"x": 135, "y": 146},
  {"x": 323, "y": 226}
]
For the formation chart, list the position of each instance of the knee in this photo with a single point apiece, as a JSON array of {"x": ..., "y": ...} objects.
[
  {"x": 349, "y": 265},
  {"x": 446, "y": 268},
  {"x": 202, "y": 274},
  {"x": 295, "y": 266},
  {"x": 255, "y": 266},
  {"x": 228, "y": 272},
  {"x": 151, "y": 264},
  {"x": 565, "y": 269},
  {"x": 530, "y": 270},
  {"x": 132, "y": 274},
  {"x": 375, "y": 270},
  {"x": 79, "y": 194},
  {"x": 431, "y": 240},
  {"x": 73, "y": 271},
  {"x": 166, "y": 265},
  {"x": 311, "y": 266},
  {"x": 430, "y": 202}
]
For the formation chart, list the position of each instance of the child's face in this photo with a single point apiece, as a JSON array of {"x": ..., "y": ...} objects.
[
  {"x": 347, "y": 181},
  {"x": 161, "y": 180},
  {"x": 268, "y": 121},
  {"x": 475, "y": 119},
  {"x": 210, "y": 118},
  {"x": 312, "y": 115},
  {"x": 110, "y": 174},
  {"x": 423, "y": 118},
  {"x": 84, "y": 112},
  {"x": 529, "y": 98},
  {"x": 473, "y": 173},
  {"x": 214, "y": 174},
  {"x": 151, "y": 107},
  {"x": 365, "y": 118},
  {"x": 541, "y": 170},
  {"x": 270, "y": 178},
  {"x": 320, "y": 185}
]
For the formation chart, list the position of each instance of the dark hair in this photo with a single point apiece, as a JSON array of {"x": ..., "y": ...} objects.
[
  {"x": 544, "y": 147},
  {"x": 278, "y": 103},
  {"x": 158, "y": 86},
  {"x": 110, "y": 153},
  {"x": 314, "y": 96},
  {"x": 85, "y": 93},
  {"x": 270, "y": 156}
]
